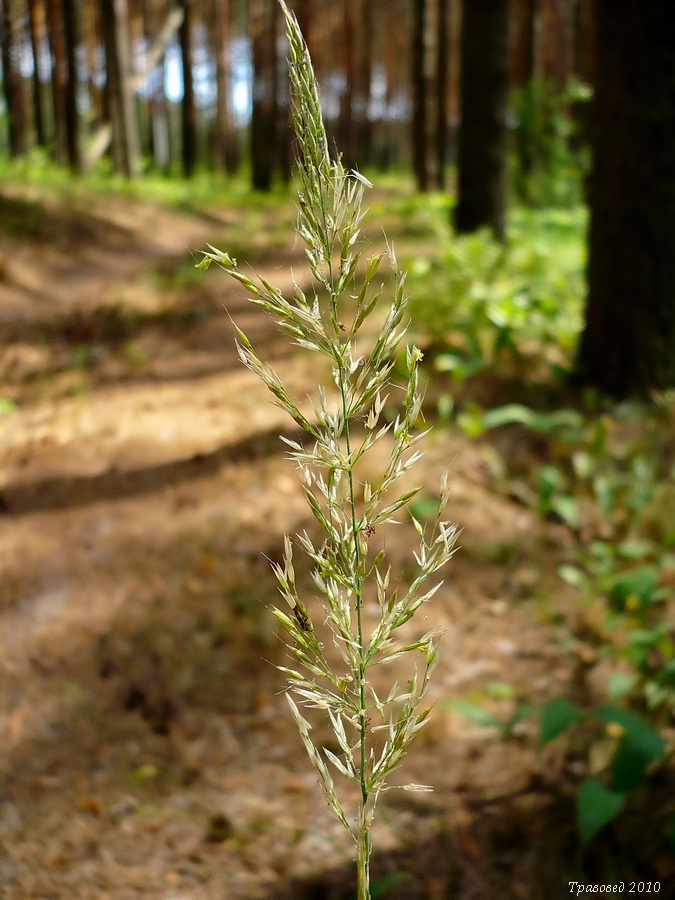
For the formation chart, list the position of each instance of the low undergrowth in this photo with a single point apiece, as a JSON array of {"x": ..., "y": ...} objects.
[{"x": 501, "y": 323}]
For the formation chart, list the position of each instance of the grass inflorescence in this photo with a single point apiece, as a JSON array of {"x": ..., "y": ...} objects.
[{"x": 372, "y": 733}]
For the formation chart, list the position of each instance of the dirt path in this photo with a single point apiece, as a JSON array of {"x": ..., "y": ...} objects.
[{"x": 148, "y": 752}]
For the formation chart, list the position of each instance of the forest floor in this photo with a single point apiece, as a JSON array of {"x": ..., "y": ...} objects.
[{"x": 147, "y": 747}]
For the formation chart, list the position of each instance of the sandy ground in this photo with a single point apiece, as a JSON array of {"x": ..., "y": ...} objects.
[{"x": 147, "y": 747}]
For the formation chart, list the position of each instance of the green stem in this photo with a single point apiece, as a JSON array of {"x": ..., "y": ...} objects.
[
  {"x": 363, "y": 838},
  {"x": 363, "y": 866}
]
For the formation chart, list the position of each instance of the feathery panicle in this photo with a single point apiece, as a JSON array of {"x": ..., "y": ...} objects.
[{"x": 346, "y": 425}]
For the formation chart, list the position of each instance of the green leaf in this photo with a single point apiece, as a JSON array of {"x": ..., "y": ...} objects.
[
  {"x": 472, "y": 421},
  {"x": 582, "y": 463},
  {"x": 557, "y": 716},
  {"x": 424, "y": 507},
  {"x": 522, "y": 711},
  {"x": 620, "y": 683},
  {"x": 640, "y": 583},
  {"x": 475, "y": 713},
  {"x": 567, "y": 508},
  {"x": 516, "y": 413},
  {"x": 7, "y": 406},
  {"x": 596, "y": 806},
  {"x": 380, "y": 886},
  {"x": 667, "y": 674},
  {"x": 500, "y": 690},
  {"x": 512, "y": 413},
  {"x": 639, "y": 747},
  {"x": 572, "y": 575},
  {"x": 635, "y": 549},
  {"x": 550, "y": 480},
  {"x": 604, "y": 491}
]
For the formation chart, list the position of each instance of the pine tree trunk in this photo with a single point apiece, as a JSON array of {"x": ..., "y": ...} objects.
[
  {"x": 263, "y": 114},
  {"x": 347, "y": 131},
  {"x": 628, "y": 344},
  {"x": 36, "y": 27},
  {"x": 224, "y": 139},
  {"x": 419, "y": 126},
  {"x": 305, "y": 13},
  {"x": 442, "y": 79},
  {"x": 427, "y": 97},
  {"x": 160, "y": 138},
  {"x": 59, "y": 78},
  {"x": 526, "y": 79},
  {"x": 282, "y": 101},
  {"x": 140, "y": 101},
  {"x": 12, "y": 80},
  {"x": 188, "y": 107},
  {"x": 585, "y": 63},
  {"x": 92, "y": 43},
  {"x": 397, "y": 77},
  {"x": 72, "y": 117},
  {"x": 120, "y": 99},
  {"x": 365, "y": 80},
  {"x": 482, "y": 148}
]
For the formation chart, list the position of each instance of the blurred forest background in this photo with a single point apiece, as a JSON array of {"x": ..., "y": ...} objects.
[{"x": 523, "y": 156}]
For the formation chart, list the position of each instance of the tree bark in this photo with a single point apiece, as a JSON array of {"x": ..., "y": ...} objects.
[
  {"x": 59, "y": 79},
  {"x": 159, "y": 28},
  {"x": 397, "y": 23},
  {"x": 419, "y": 106},
  {"x": 364, "y": 150},
  {"x": 628, "y": 343},
  {"x": 526, "y": 76},
  {"x": 224, "y": 139},
  {"x": 12, "y": 80},
  {"x": 71, "y": 113},
  {"x": 282, "y": 100},
  {"x": 304, "y": 12},
  {"x": 347, "y": 129},
  {"x": 427, "y": 99},
  {"x": 189, "y": 129},
  {"x": 36, "y": 27},
  {"x": 92, "y": 41},
  {"x": 483, "y": 132},
  {"x": 442, "y": 79},
  {"x": 264, "y": 111},
  {"x": 125, "y": 141}
]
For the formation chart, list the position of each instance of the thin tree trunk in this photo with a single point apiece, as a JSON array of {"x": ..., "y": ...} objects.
[
  {"x": 282, "y": 100},
  {"x": 59, "y": 79},
  {"x": 160, "y": 139},
  {"x": 12, "y": 80},
  {"x": 72, "y": 117},
  {"x": 628, "y": 343},
  {"x": 225, "y": 146},
  {"x": 587, "y": 52},
  {"x": 419, "y": 106},
  {"x": 263, "y": 115},
  {"x": 442, "y": 79},
  {"x": 346, "y": 132},
  {"x": 395, "y": 43},
  {"x": 92, "y": 43},
  {"x": 483, "y": 132},
  {"x": 141, "y": 102},
  {"x": 367, "y": 50},
  {"x": 304, "y": 12},
  {"x": 125, "y": 142},
  {"x": 425, "y": 93},
  {"x": 526, "y": 78},
  {"x": 36, "y": 26},
  {"x": 188, "y": 107}
]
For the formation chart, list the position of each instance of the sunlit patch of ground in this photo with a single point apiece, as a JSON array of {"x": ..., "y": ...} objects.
[{"x": 147, "y": 747}]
